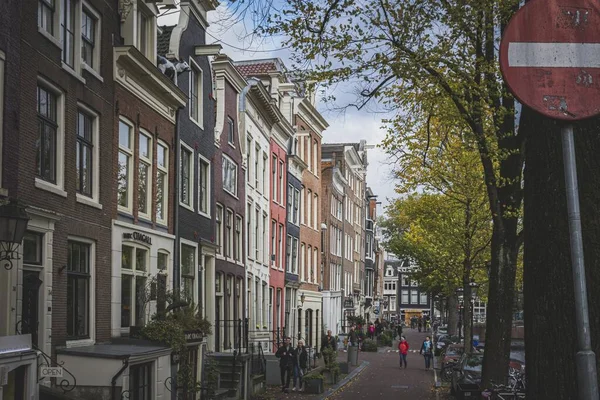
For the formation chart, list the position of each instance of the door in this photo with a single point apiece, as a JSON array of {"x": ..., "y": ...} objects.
[
  {"x": 217, "y": 323},
  {"x": 30, "y": 305}
]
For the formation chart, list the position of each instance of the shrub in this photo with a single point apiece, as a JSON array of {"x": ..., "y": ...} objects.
[{"x": 369, "y": 345}]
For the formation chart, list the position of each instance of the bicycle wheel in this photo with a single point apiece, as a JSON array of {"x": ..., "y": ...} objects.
[{"x": 446, "y": 374}]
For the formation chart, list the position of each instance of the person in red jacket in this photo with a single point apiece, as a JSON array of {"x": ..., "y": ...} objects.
[{"x": 403, "y": 350}]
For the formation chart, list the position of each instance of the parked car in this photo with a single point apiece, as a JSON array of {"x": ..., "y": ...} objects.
[{"x": 466, "y": 376}]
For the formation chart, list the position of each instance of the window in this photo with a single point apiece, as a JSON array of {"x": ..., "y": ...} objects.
[
  {"x": 219, "y": 229},
  {"x": 229, "y": 234},
  {"x": 423, "y": 298},
  {"x": 238, "y": 238},
  {"x": 251, "y": 240},
  {"x": 134, "y": 261},
  {"x": 274, "y": 177},
  {"x": 229, "y": 176},
  {"x": 265, "y": 241},
  {"x": 124, "y": 177},
  {"x": 315, "y": 211},
  {"x": 414, "y": 297},
  {"x": 273, "y": 239},
  {"x": 393, "y": 303},
  {"x": 315, "y": 264},
  {"x": 187, "y": 168},
  {"x": 78, "y": 290},
  {"x": 84, "y": 154},
  {"x": 140, "y": 381},
  {"x": 295, "y": 255},
  {"x": 264, "y": 174},
  {"x": 309, "y": 198},
  {"x": 67, "y": 28},
  {"x": 256, "y": 160},
  {"x": 289, "y": 254},
  {"x": 249, "y": 160},
  {"x": 188, "y": 272},
  {"x": 144, "y": 174},
  {"x": 290, "y": 202},
  {"x": 203, "y": 186},
  {"x": 296, "y": 207},
  {"x": 309, "y": 260},
  {"x": 257, "y": 248},
  {"x": 144, "y": 34},
  {"x": 196, "y": 95},
  {"x": 302, "y": 206},
  {"x": 303, "y": 266},
  {"x": 46, "y": 15},
  {"x": 280, "y": 248},
  {"x": 405, "y": 281},
  {"x": 281, "y": 181},
  {"x": 162, "y": 182},
  {"x": 316, "y": 157},
  {"x": 88, "y": 36},
  {"x": 46, "y": 143},
  {"x": 230, "y": 132}
]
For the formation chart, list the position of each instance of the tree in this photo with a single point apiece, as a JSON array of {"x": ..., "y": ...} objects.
[{"x": 414, "y": 54}]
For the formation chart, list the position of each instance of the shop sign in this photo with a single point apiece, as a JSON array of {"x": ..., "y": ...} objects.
[
  {"x": 51, "y": 372},
  {"x": 193, "y": 336},
  {"x": 138, "y": 236},
  {"x": 14, "y": 344}
]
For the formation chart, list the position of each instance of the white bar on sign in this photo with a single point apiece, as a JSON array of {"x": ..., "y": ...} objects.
[{"x": 554, "y": 55}]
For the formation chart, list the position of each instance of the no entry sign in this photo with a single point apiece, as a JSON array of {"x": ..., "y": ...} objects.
[{"x": 550, "y": 57}]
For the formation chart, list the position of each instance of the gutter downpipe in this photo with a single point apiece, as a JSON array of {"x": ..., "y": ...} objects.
[
  {"x": 176, "y": 268},
  {"x": 113, "y": 381}
]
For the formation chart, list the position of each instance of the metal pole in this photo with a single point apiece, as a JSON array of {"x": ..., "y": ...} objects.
[{"x": 587, "y": 380}]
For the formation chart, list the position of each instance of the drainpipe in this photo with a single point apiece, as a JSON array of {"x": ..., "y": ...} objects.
[
  {"x": 176, "y": 268},
  {"x": 113, "y": 382}
]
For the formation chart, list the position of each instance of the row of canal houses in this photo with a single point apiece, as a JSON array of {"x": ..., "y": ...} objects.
[{"x": 148, "y": 159}]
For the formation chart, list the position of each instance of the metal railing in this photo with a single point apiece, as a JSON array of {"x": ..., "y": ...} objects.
[{"x": 231, "y": 335}]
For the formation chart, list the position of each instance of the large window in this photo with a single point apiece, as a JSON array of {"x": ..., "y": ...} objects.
[
  {"x": 88, "y": 37},
  {"x": 230, "y": 132},
  {"x": 162, "y": 182},
  {"x": 145, "y": 31},
  {"x": 405, "y": 297},
  {"x": 274, "y": 240},
  {"x": 78, "y": 290},
  {"x": 196, "y": 93},
  {"x": 288, "y": 254},
  {"x": 414, "y": 297},
  {"x": 423, "y": 298},
  {"x": 219, "y": 229},
  {"x": 293, "y": 206},
  {"x": 229, "y": 176},
  {"x": 145, "y": 174},
  {"x": 134, "y": 293},
  {"x": 188, "y": 271},
  {"x": 203, "y": 186},
  {"x": 67, "y": 28},
  {"x": 280, "y": 247},
  {"x": 85, "y": 153},
  {"x": 274, "y": 177},
  {"x": 140, "y": 381},
  {"x": 46, "y": 158},
  {"x": 281, "y": 181},
  {"x": 187, "y": 177},
  {"x": 124, "y": 175}
]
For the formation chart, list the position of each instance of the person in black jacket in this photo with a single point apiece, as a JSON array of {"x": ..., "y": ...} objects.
[
  {"x": 300, "y": 365},
  {"x": 328, "y": 341},
  {"x": 286, "y": 362}
]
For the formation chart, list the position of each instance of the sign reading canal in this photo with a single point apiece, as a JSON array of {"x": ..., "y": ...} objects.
[
  {"x": 550, "y": 57},
  {"x": 140, "y": 237}
]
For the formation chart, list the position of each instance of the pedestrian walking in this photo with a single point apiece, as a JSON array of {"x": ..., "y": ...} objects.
[
  {"x": 286, "y": 362},
  {"x": 399, "y": 328},
  {"x": 403, "y": 350},
  {"x": 426, "y": 351},
  {"x": 300, "y": 357},
  {"x": 353, "y": 338},
  {"x": 371, "y": 330},
  {"x": 420, "y": 324}
]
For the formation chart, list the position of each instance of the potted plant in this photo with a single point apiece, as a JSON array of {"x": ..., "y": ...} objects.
[{"x": 313, "y": 383}]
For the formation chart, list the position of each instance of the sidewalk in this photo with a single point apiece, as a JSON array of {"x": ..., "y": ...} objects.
[{"x": 381, "y": 378}]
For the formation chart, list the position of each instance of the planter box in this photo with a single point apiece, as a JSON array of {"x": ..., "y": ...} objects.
[
  {"x": 313, "y": 386},
  {"x": 468, "y": 391},
  {"x": 330, "y": 378}
]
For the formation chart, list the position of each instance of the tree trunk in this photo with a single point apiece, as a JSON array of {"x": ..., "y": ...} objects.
[
  {"x": 452, "y": 315},
  {"x": 548, "y": 283},
  {"x": 499, "y": 313},
  {"x": 468, "y": 328}
]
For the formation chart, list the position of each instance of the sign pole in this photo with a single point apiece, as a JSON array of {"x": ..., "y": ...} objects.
[{"x": 587, "y": 379}]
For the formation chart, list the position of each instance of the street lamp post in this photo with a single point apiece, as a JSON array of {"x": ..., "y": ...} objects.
[
  {"x": 474, "y": 286},
  {"x": 13, "y": 224},
  {"x": 459, "y": 293}
]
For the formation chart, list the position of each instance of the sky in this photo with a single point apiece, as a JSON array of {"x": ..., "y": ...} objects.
[{"x": 348, "y": 126}]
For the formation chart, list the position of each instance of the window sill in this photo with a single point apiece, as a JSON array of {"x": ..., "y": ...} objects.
[
  {"x": 198, "y": 124},
  {"x": 80, "y": 343},
  {"x": 231, "y": 194},
  {"x": 92, "y": 71},
  {"x": 187, "y": 207},
  {"x": 41, "y": 184},
  {"x": 51, "y": 38},
  {"x": 205, "y": 215},
  {"x": 72, "y": 72},
  {"x": 88, "y": 201},
  {"x": 126, "y": 211}
]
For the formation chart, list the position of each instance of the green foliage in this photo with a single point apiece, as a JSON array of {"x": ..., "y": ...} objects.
[
  {"x": 386, "y": 338},
  {"x": 356, "y": 320},
  {"x": 369, "y": 345},
  {"x": 313, "y": 376}
]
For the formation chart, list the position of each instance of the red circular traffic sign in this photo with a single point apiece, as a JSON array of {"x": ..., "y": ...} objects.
[{"x": 550, "y": 57}]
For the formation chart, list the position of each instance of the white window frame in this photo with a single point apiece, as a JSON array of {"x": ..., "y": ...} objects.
[
  {"x": 2, "y": 78},
  {"x": 164, "y": 169},
  {"x": 204, "y": 160},
  {"x": 257, "y": 153},
  {"x": 148, "y": 49},
  {"x": 135, "y": 273},
  {"x": 265, "y": 164},
  {"x": 231, "y": 130},
  {"x": 58, "y": 187},
  {"x": 315, "y": 264},
  {"x": 191, "y": 177},
  {"x": 92, "y": 295},
  {"x": 288, "y": 254},
  {"x": 94, "y": 200},
  {"x": 302, "y": 262},
  {"x": 414, "y": 297},
  {"x": 239, "y": 238},
  {"x": 93, "y": 69},
  {"x": 195, "y": 69},
  {"x": 251, "y": 233},
  {"x": 194, "y": 245},
  {"x": 226, "y": 160},
  {"x": 229, "y": 232},
  {"x": 315, "y": 210},
  {"x": 265, "y": 242},
  {"x": 423, "y": 298},
  {"x": 281, "y": 181},
  {"x": 148, "y": 161},
  {"x": 296, "y": 207},
  {"x": 129, "y": 151},
  {"x": 315, "y": 157}
]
